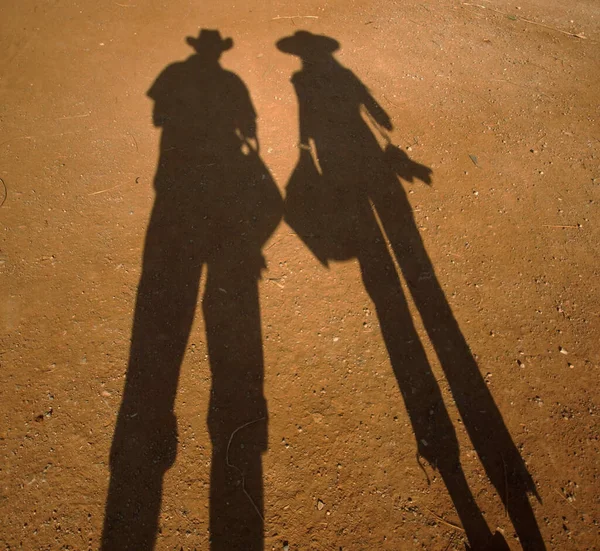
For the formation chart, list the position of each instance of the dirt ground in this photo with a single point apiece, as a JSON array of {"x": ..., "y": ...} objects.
[{"x": 496, "y": 102}]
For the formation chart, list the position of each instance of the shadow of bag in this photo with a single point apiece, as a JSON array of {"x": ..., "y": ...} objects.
[
  {"x": 261, "y": 200},
  {"x": 249, "y": 205},
  {"x": 311, "y": 209}
]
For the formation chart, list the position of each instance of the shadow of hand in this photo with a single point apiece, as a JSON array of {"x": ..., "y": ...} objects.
[{"x": 407, "y": 169}]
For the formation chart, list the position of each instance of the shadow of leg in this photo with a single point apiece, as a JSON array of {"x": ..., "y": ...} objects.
[
  {"x": 237, "y": 418},
  {"x": 145, "y": 441}
]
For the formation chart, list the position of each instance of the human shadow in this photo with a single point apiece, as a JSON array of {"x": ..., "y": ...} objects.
[
  {"x": 344, "y": 200},
  {"x": 216, "y": 205}
]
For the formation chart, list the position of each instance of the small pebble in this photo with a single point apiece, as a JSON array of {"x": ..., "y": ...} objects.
[{"x": 320, "y": 504}]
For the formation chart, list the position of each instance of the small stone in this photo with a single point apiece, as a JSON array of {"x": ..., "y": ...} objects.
[
  {"x": 562, "y": 350},
  {"x": 320, "y": 504}
]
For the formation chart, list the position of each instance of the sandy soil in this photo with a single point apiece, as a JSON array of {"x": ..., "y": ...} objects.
[{"x": 355, "y": 394}]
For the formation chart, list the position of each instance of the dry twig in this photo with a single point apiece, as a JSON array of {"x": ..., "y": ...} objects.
[
  {"x": 443, "y": 521},
  {"x": 518, "y": 18},
  {"x": 562, "y": 227},
  {"x": 104, "y": 190},
  {"x": 295, "y": 17},
  {"x": 240, "y": 470},
  {"x": 5, "y": 192}
]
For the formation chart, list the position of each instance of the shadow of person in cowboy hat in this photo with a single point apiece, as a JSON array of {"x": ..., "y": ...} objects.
[
  {"x": 215, "y": 207},
  {"x": 344, "y": 201}
]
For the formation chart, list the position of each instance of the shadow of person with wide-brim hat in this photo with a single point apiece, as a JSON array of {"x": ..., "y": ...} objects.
[
  {"x": 345, "y": 202},
  {"x": 216, "y": 205}
]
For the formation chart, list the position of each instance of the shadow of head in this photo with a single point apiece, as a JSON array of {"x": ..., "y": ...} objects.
[
  {"x": 307, "y": 45},
  {"x": 209, "y": 45}
]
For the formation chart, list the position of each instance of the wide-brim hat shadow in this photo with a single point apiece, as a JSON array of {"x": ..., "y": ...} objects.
[
  {"x": 209, "y": 40},
  {"x": 303, "y": 43}
]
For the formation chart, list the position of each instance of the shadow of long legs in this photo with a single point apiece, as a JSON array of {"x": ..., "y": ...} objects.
[
  {"x": 145, "y": 441},
  {"x": 436, "y": 438},
  {"x": 482, "y": 419}
]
